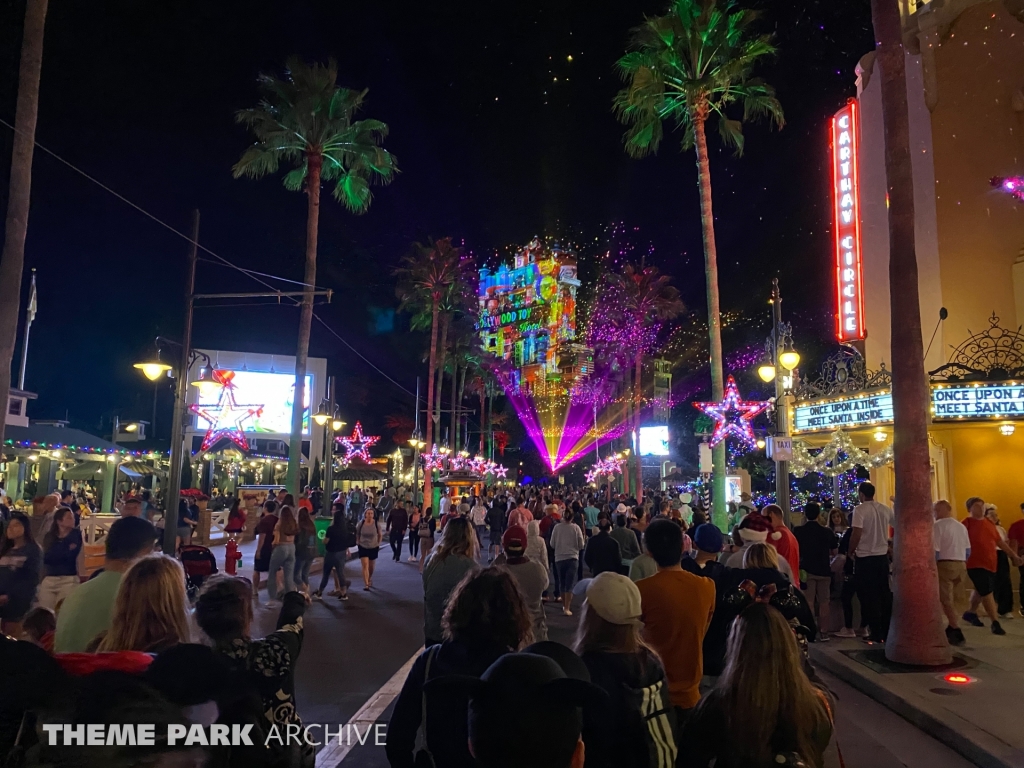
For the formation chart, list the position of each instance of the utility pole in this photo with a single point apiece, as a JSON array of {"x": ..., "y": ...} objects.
[
  {"x": 329, "y": 452},
  {"x": 178, "y": 451},
  {"x": 30, "y": 315},
  {"x": 416, "y": 449},
  {"x": 781, "y": 412}
]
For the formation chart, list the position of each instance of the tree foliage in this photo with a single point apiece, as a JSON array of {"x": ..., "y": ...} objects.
[{"x": 693, "y": 63}]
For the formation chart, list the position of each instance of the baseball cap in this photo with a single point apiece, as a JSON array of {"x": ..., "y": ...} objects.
[
  {"x": 514, "y": 539},
  {"x": 615, "y": 598},
  {"x": 708, "y": 538}
]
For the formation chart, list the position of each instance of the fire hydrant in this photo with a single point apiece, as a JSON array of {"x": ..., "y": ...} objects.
[{"x": 231, "y": 557}]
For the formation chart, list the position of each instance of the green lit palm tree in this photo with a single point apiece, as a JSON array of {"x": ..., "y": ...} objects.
[
  {"x": 693, "y": 64},
  {"x": 644, "y": 300},
  {"x": 306, "y": 121}
]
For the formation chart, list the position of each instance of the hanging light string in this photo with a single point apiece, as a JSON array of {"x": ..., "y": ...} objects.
[{"x": 828, "y": 462}]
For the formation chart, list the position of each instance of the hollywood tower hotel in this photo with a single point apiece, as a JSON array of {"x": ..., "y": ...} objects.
[{"x": 965, "y": 83}]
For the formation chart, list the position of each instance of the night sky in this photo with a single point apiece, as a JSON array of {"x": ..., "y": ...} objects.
[{"x": 499, "y": 136}]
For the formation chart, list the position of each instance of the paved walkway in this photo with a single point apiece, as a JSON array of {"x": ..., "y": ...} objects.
[{"x": 980, "y": 719}]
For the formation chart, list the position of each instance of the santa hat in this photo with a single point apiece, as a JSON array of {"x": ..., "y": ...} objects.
[{"x": 754, "y": 529}]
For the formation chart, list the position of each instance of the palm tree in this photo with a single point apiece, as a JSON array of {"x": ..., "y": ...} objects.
[
  {"x": 307, "y": 121},
  {"x": 12, "y": 261},
  {"x": 692, "y": 64},
  {"x": 429, "y": 276},
  {"x": 644, "y": 299},
  {"x": 915, "y": 634}
]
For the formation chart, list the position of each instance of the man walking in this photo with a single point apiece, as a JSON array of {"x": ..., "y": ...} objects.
[
  {"x": 869, "y": 546},
  {"x": 983, "y": 562},
  {"x": 398, "y": 524},
  {"x": 818, "y": 544},
  {"x": 603, "y": 552},
  {"x": 952, "y": 547},
  {"x": 1015, "y": 537}
]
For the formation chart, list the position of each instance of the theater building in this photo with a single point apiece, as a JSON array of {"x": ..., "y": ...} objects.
[{"x": 965, "y": 83}]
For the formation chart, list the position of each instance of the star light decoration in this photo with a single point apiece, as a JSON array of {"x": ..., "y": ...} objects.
[
  {"x": 357, "y": 444},
  {"x": 433, "y": 460},
  {"x": 500, "y": 471},
  {"x": 608, "y": 466},
  {"x": 1012, "y": 185},
  {"x": 226, "y": 417},
  {"x": 732, "y": 416}
]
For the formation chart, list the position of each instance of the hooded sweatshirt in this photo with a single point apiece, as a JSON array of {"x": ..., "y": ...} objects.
[
  {"x": 536, "y": 549},
  {"x": 625, "y": 677}
]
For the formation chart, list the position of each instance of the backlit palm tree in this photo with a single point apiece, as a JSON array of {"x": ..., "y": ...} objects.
[
  {"x": 308, "y": 122},
  {"x": 642, "y": 299},
  {"x": 693, "y": 64}
]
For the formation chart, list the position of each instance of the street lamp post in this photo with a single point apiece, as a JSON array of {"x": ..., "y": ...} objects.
[{"x": 782, "y": 360}]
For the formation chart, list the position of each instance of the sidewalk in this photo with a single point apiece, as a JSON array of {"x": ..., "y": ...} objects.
[{"x": 980, "y": 719}]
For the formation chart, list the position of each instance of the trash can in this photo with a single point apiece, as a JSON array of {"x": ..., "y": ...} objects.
[{"x": 322, "y": 524}]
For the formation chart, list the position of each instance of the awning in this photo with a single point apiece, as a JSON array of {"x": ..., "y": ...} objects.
[
  {"x": 359, "y": 473},
  {"x": 137, "y": 469},
  {"x": 84, "y": 471}
]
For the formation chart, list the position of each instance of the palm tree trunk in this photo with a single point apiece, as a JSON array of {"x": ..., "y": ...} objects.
[
  {"x": 719, "y": 513},
  {"x": 454, "y": 420},
  {"x": 637, "y": 395},
  {"x": 464, "y": 441},
  {"x": 483, "y": 419},
  {"x": 313, "y": 164},
  {"x": 916, "y": 632},
  {"x": 432, "y": 365},
  {"x": 12, "y": 261},
  {"x": 442, "y": 354}
]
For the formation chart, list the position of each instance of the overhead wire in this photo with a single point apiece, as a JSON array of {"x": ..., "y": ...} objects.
[{"x": 250, "y": 273}]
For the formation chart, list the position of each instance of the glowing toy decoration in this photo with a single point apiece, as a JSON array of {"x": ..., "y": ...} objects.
[
  {"x": 227, "y": 417},
  {"x": 358, "y": 444},
  {"x": 1011, "y": 185},
  {"x": 732, "y": 416}
]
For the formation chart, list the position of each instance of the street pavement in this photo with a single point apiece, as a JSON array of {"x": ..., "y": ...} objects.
[
  {"x": 352, "y": 650},
  {"x": 979, "y": 718}
]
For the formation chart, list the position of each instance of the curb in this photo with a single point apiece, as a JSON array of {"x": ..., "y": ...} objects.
[{"x": 980, "y": 748}]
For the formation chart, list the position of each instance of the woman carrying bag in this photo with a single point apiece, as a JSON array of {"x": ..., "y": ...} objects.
[{"x": 369, "y": 536}]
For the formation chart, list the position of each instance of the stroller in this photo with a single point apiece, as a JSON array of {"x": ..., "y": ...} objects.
[{"x": 199, "y": 563}]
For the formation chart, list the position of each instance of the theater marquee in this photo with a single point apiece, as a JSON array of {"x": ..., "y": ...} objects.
[
  {"x": 974, "y": 402},
  {"x": 846, "y": 212}
]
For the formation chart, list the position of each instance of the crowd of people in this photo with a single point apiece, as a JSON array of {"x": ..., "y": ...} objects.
[{"x": 685, "y": 632}]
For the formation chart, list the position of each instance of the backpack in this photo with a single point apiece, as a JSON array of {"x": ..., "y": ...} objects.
[
  {"x": 658, "y": 721},
  {"x": 423, "y": 529}
]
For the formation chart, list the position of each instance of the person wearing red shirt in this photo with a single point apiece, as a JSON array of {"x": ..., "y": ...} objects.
[
  {"x": 982, "y": 563},
  {"x": 783, "y": 540},
  {"x": 1016, "y": 540}
]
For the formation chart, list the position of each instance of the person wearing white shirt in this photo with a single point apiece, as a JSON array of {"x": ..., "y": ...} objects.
[
  {"x": 869, "y": 545},
  {"x": 952, "y": 548},
  {"x": 478, "y": 516}
]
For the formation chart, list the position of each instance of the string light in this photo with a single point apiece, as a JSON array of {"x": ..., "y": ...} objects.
[
  {"x": 357, "y": 444},
  {"x": 732, "y": 415},
  {"x": 828, "y": 460}
]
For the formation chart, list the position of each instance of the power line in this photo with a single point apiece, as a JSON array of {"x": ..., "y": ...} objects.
[
  {"x": 248, "y": 272},
  {"x": 252, "y": 274},
  {"x": 361, "y": 355}
]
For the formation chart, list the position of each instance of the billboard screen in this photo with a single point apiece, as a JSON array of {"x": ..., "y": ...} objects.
[
  {"x": 273, "y": 393},
  {"x": 654, "y": 441}
]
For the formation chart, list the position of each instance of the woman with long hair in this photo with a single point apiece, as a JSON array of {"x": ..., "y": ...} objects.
[
  {"x": 609, "y": 642},
  {"x": 761, "y": 556},
  {"x": 151, "y": 608},
  {"x": 63, "y": 558},
  {"x": 838, "y": 521},
  {"x": 224, "y": 614},
  {"x": 305, "y": 549},
  {"x": 369, "y": 537},
  {"x": 414, "y": 533},
  {"x": 282, "y": 556},
  {"x": 455, "y": 555},
  {"x": 336, "y": 540},
  {"x": 485, "y": 618},
  {"x": 763, "y": 701},
  {"x": 236, "y": 520},
  {"x": 20, "y": 563},
  {"x": 427, "y": 531}
]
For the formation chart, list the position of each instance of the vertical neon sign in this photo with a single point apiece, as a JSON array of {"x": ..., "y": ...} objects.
[{"x": 846, "y": 204}]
